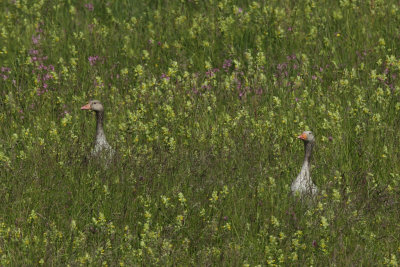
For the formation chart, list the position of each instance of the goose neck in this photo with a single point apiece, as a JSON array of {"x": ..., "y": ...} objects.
[
  {"x": 99, "y": 124},
  {"x": 308, "y": 146}
]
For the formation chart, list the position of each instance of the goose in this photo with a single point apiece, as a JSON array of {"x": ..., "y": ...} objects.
[
  {"x": 303, "y": 185},
  {"x": 101, "y": 146}
]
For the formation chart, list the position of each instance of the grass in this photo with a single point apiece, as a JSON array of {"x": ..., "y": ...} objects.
[{"x": 204, "y": 100}]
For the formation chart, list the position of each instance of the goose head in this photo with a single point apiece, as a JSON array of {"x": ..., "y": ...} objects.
[
  {"x": 93, "y": 105},
  {"x": 307, "y": 137}
]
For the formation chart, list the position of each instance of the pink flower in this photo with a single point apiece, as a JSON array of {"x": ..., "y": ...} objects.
[
  {"x": 93, "y": 59},
  {"x": 89, "y": 6},
  {"x": 33, "y": 52},
  {"x": 164, "y": 76},
  {"x": 35, "y": 39}
]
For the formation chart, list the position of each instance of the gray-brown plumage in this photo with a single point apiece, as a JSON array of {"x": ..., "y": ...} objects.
[
  {"x": 101, "y": 146},
  {"x": 303, "y": 185}
]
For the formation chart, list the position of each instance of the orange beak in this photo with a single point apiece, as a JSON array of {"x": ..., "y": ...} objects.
[
  {"x": 87, "y": 106},
  {"x": 303, "y": 136}
]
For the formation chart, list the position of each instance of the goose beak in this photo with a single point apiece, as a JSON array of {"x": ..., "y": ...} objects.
[
  {"x": 303, "y": 136},
  {"x": 87, "y": 106}
]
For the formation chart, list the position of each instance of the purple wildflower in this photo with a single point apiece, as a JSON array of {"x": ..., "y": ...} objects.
[
  {"x": 92, "y": 60},
  {"x": 281, "y": 66},
  {"x": 227, "y": 64},
  {"x": 89, "y": 6},
  {"x": 35, "y": 39},
  {"x": 33, "y": 52},
  {"x": 165, "y": 76}
]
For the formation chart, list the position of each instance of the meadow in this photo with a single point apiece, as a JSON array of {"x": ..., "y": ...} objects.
[{"x": 204, "y": 101}]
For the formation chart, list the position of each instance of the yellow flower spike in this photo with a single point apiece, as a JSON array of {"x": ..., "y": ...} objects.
[
  {"x": 274, "y": 221},
  {"x": 324, "y": 222},
  {"x": 227, "y": 226},
  {"x": 214, "y": 197},
  {"x": 179, "y": 219},
  {"x": 181, "y": 198},
  {"x": 294, "y": 256},
  {"x": 147, "y": 215},
  {"x": 282, "y": 236},
  {"x": 336, "y": 195},
  {"x": 202, "y": 212},
  {"x": 73, "y": 225}
]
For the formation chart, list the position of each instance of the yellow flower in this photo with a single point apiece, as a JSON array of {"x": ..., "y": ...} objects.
[
  {"x": 214, "y": 197},
  {"x": 324, "y": 222},
  {"x": 147, "y": 215}
]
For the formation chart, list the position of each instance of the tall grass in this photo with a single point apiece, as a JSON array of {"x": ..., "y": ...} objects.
[{"x": 203, "y": 101}]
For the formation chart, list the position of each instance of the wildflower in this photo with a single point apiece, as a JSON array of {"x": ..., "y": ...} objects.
[
  {"x": 294, "y": 256},
  {"x": 179, "y": 219},
  {"x": 35, "y": 39},
  {"x": 73, "y": 225},
  {"x": 165, "y": 201},
  {"x": 147, "y": 215},
  {"x": 274, "y": 221},
  {"x": 139, "y": 70},
  {"x": 282, "y": 236},
  {"x": 336, "y": 195},
  {"x": 32, "y": 217},
  {"x": 214, "y": 197},
  {"x": 227, "y": 226},
  {"x": 92, "y": 60},
  {"x": 324, "y": 222},
  {"x": 165, "y": 76},
  {"x": 227, "y": 64},
  {"x": 203, "y": 213},
  {"x": 89, "y": 6},
  {"x": 124, "y": 71},
  {"x": 182, "y": 198},
  {"x": 145, "y": 55}
]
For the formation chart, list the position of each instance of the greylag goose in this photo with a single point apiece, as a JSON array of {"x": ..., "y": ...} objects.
[
  {"x": 303, "y": 185},
  {"x": 101, "y": 146}
]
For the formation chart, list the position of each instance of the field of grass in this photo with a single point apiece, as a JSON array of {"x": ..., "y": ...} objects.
[{"x": 203, "y": 103}]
